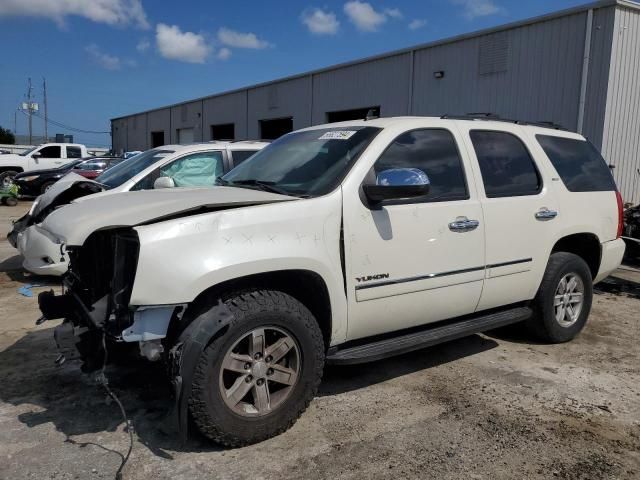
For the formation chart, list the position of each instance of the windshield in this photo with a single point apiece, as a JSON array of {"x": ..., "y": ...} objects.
[
  {"x": 116, "y": 176},
  {"x": 27, "y": 152},
  {"x": 308, "y": 163}
]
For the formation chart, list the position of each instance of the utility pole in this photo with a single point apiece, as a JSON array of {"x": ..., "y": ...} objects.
[
  {"x": 44, "y": 88},
  {"x": 15, "y": 122},
  {"x": 30, "y": 109}
]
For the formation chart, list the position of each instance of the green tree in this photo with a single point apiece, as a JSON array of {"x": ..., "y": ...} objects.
[{"x": 7, "y": 137}]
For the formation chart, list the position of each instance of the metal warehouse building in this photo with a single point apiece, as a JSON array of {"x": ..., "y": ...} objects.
[{"x": 579, "y": 68}]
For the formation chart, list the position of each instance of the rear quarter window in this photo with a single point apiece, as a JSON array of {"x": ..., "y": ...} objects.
[{"x": 579, "y": 164}]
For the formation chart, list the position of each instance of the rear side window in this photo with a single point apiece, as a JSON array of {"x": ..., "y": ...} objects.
[
  {"x": 74, "y": 152},
  {"x": 240, "y": 156},
  {"x": 506, "y": 165},
  {"x": 579, "y": 164}
]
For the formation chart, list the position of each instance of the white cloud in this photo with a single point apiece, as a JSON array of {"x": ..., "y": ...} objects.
[
  {"x": 366, "y": 18},
  {"x": 393, "y": 13},
  {"x": 143, "y": 45},
  {"x": 111, "y": 12},
  {"x": 102, "y": 59},
  {"x": 417, "y": 24},
  {"x": 223, "y": 54},
  {"x": 478, "y": 8},
  {"x": 182, "y": 46},
  {"x": 320, "y": 22},
  {"x": 231, "y": 38}
]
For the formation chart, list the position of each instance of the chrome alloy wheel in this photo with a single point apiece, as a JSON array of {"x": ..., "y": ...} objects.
[
  {"x": 259, "y": 371},
  {"x": 569, "y": 299}
]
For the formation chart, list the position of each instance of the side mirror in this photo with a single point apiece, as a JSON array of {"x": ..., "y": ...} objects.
[
  {"x": 398, "y": 184},
  {"x": 164, "y": 182},
  {"x": 36, "y": 155}
]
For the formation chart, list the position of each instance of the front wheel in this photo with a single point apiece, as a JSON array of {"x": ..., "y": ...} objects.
[
  {"x": 6, "y": 179},
  {"x": 254, "y": 381},
  {"x": 563, "y": 302}
]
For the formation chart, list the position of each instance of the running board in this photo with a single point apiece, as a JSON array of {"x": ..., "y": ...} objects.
[{"x": 390, "y": 347}]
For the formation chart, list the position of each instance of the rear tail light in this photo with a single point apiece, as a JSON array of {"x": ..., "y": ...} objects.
[{"x": 620, "y": 215}]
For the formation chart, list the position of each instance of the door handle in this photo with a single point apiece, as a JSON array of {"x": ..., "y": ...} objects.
[
  {"x": 463, "y": 224},
  {"x": 545, "y": 214}
]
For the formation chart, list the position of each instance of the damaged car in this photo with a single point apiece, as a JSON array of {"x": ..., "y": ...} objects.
[
  {"x": 337, "y": 244},
  {"x": 196, "y": 165}
]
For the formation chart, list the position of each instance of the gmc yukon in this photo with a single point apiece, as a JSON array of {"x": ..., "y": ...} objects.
[{"x": 340, "y": 243}]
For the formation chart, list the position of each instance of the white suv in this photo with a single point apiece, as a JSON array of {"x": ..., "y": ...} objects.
[
  {"x": 340, "y": 243},
  {"x": 195, "y": 165}
]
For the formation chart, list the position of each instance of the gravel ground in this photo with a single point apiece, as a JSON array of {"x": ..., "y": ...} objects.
[{"x": 493, "y": 406}]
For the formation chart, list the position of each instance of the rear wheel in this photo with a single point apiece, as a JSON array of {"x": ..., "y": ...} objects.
[
  {"x": 254, "y": 381},
  {"x": 10, "y": 201},
  {"x": 563, "y": 302},
  {"x": 6, "y": 178}
]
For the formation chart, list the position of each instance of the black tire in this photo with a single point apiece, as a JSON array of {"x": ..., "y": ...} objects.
[
  {"x": 543, "y": 324},
  {"x": 7, "y": 174},
  {"x": 10, "y": 201},
  {"x": 253, "y": 309},
  {"x": 45, "y": 186}
]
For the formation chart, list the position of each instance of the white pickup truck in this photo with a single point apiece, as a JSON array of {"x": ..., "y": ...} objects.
[
  {"x": 42, "y": 157},
  {"x": 340, "y": 243}
]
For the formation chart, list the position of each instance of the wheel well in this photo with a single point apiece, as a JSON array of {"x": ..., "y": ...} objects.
[
  {"x": 11, "y": 169},
  {"x": 304, "y": 285},
  {"x": 585, "y": 245}
]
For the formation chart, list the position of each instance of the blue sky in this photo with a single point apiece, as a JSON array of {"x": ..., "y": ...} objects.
[{"x": 105, "y": 58}]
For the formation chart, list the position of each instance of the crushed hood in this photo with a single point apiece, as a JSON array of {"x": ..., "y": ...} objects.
[
  {"x": 61, "y": 189},
  {"x": 74, "y": 223},
  {"x": 69, "y": 188}
]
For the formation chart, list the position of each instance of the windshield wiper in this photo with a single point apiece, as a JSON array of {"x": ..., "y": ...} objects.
[{"x": 265, "y": 186}]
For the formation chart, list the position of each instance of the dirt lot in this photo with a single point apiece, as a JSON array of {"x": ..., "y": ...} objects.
[{"x": 491, "y": 406}]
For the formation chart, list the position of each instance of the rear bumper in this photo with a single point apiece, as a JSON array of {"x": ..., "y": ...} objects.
[{"x": 612, "y": 253}]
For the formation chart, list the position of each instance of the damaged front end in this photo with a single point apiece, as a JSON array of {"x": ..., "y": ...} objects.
[{"x": 95, "y": 302}]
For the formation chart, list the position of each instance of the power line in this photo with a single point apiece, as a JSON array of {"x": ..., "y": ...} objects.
[{"x": 67, "y": 127}]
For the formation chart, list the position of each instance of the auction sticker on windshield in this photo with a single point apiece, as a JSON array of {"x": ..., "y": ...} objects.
[{"x": 338, "y": 135}]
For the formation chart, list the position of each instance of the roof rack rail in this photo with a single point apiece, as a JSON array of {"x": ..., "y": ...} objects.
[{"x": 496, "y": 118}]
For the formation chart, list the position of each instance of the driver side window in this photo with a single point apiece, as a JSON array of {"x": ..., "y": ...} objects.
[
  {"x": 196, "y": 170},
  {"x": 50, "y": 152},
  {"x": 435, "y": 152}
]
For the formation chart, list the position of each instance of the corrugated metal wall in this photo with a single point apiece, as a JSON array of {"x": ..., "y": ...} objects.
[
  {"x": 538, "y": 80},
  {"x": 383, "y": 82},
  {"x": 598, "y": 80},
  {"x": 289, "y": 98},
  {"x": 187, "y": 115},
  {"x": 230, "y": 108},
  {"x": 621, "y": 140},
  {"x": 158, "y": 121}
]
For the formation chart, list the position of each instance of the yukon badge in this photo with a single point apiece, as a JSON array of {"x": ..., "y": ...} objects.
[{"x": 368, "y": 278}]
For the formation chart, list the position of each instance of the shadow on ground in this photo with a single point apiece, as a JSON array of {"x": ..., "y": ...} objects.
[
  {"x": 618, "y": 286},
  {"x": 75, "y": 406}
]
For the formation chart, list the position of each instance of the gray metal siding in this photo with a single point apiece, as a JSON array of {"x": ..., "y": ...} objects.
[
  {"x": 231, "y": 108},
  {"x": 119, "y": 134},
  {"x": 159, "y": 121},
  {"x": 598, "y": 81},
  {"x": 383, "y": 82},
  {"x": 137, "y": 132},
  {"x": 279, "y": 100},
  {"x": 621, "y": 141},
  {"x": 187, "y": 115},
  {"x": 541, "y": 80}
]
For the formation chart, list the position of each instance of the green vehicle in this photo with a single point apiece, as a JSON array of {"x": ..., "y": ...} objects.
[{"x": 9, "y": 196}]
